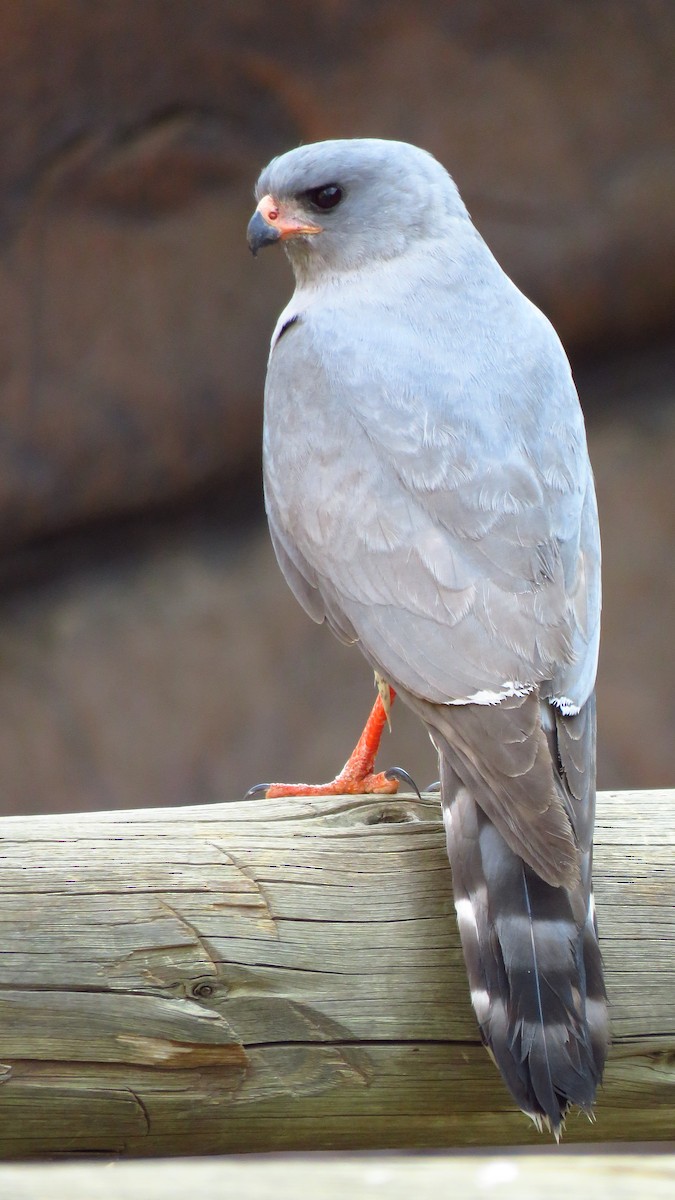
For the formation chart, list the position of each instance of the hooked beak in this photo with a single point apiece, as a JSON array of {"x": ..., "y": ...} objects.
[{"x": 273, "y": 222}]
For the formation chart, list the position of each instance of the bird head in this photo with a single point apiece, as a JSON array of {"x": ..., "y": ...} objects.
[{"x": 340, "y": 205}]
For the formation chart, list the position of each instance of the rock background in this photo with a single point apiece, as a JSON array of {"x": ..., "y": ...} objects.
[{"x": 149, "y": 651}]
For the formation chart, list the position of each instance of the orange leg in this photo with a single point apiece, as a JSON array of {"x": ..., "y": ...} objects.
[{"x": 356, "y": 777}]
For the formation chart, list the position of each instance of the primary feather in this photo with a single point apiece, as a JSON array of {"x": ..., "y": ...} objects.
[{"x": 430, "y": 496}]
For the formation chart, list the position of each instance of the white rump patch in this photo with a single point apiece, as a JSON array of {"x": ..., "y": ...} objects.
[
  {"x": 509, "y": 688},
  {"x": 567, "y": 707}
]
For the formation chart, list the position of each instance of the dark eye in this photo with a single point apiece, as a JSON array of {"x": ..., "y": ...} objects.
[{"x": 325, "y": 197}]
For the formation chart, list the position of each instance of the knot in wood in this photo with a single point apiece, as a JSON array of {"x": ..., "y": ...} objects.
[
  {"x": 390, "y": 814},
  {"x": 202, "y": 989}
]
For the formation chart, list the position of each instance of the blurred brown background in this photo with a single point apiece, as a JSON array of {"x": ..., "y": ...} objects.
[{"x": 150, "y": 652}]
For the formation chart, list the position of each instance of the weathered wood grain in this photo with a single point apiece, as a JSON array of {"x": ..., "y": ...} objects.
[
  {"x": 287, "y": 975},
  {"x": 365, "y": 1177}
]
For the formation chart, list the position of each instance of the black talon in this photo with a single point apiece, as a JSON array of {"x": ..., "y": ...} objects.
[
  {"x": 434, "y": 787},
  {"x": 403, "y": 777},
  {"x": 256, "y": 790}
]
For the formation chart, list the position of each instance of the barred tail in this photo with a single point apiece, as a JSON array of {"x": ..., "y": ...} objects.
[{"x": 533, "y": 964}]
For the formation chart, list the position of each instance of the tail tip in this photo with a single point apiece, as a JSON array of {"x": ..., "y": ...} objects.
[{"x": 546, "y": 1123}]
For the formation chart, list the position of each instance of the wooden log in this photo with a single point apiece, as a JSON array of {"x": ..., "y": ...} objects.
[
  {"x": 286, "y": 974},
  {"x": 361, "y": 1177}
]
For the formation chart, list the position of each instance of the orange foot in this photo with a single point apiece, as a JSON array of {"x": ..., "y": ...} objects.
[{"x": 357, "y": 777}]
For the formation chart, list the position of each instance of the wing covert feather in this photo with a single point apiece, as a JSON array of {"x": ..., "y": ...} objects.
[{"x": 429, "y": 525}]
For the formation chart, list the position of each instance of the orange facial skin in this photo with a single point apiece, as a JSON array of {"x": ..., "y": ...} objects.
[{"x": 282, "y": 218}]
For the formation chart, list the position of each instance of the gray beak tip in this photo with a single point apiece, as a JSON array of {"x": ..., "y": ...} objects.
[{"x": 260, "y": 234}]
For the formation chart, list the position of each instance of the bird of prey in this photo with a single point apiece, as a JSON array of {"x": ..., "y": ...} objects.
[{"x": 430, "y": 497}]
